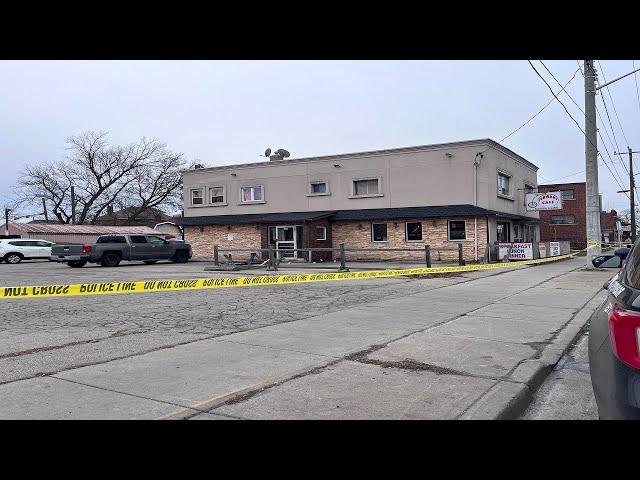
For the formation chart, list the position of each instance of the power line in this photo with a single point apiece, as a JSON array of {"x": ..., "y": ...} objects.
[
  {"x": 636, "y": 80},
  {"x": 579, "y": 108},
  {"x": 574, "y": 121},
  {"x": 613, "y": 104}
]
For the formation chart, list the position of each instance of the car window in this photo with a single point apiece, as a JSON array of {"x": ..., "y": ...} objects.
[
  {"x": 156, "y": 240},
  {"x": 17, "y": 243},
  {"x": 112, "y": 239},
  {"x": 632, "y": 269},
  {"x": 138, "y": 239},
  {"x": 611, "y": 262},
  {"x": 43, "y": 244}
]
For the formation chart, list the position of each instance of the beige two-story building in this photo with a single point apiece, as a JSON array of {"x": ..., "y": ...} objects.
[{"x": 469, "y": 192}]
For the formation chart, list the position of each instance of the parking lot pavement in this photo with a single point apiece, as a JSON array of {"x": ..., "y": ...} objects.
[
  {"x": 567, "y": 393},
  {"x": 240, "y": 352}
]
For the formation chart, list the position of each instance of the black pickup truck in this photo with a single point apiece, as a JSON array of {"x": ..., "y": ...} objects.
[{"x": 110, "y": 250}]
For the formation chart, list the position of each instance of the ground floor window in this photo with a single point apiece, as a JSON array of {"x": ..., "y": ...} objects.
[
  {"x": 530, "y": 233},
  {"x": 321, "y": 233},
  {"x": 379, "y": 232},
  {"x": 503, "y": 232},
  {"x": 518, "y": 232},
  {"x": 457, "y": 230},
  {"x": 413, "y": 231}
]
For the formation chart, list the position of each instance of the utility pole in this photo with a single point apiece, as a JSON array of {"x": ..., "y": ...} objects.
[
  {"x": 632, "y": 192},
  {"x": 591, "y": 163},
  {"x": 6, "y": 221},
  {"x": 632, "y": 185},
  {"x": 73, "y": 206}
]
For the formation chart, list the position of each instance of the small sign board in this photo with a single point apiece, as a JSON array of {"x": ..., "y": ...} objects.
[
  {"x": 503, "y": 250},
  {"x": 554, "y": 248},
  {"x": 230, "y": 236},
  {"x": 521, "y": 251},
  {"x": 543, "y": 249},
  {"x": 543, "y": 201}
]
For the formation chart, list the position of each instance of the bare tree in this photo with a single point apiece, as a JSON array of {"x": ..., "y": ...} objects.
[{"x": 144, "y": 174}]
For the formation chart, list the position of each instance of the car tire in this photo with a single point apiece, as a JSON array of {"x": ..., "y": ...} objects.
[
  {"x": 150, "y": 262},
  {"x": 110, "y": 260},
  {"x": 180, "y": 257},
  {"x": 13, "y": 258},
  {"x": 77, "y": 263}
]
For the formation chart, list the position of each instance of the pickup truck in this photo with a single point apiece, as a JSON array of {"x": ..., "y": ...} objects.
[{"x": 109, "y": 250}]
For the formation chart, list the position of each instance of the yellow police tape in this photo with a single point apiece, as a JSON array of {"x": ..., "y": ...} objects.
[{"x": 112, "y": 288}]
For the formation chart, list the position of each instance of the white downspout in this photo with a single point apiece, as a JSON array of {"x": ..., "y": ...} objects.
[{"x": 476, "y": 162}]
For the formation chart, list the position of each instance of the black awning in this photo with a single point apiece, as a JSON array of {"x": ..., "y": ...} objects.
[{"x": 284, "y": 217}]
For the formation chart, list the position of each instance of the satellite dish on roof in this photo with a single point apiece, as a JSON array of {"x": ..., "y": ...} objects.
[
  {"x": 267, "y": 152},
  {"x": 283, "y": 153}
]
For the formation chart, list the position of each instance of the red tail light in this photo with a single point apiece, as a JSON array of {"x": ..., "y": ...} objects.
[
  {"x": 86, "y": 249},
  {"x": 624, "y": 332}
]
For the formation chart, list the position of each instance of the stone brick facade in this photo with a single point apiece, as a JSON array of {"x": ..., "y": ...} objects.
[
  {"x": 434, "y": 233},
  {"x": 202, "y": 239}
]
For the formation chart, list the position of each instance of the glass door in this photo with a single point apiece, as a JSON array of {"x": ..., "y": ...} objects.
[{"x": 286, "y": 239}]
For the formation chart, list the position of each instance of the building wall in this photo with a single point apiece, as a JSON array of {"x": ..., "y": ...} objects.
[
  {"x": 434, "y": 233},
  {"x": 432, "y": 175},
  {"x": 576, "y": 233},
  {"x": 202, "y": 242}
]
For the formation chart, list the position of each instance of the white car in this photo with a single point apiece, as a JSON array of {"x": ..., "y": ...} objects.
[{"x": 14, "y": 250}]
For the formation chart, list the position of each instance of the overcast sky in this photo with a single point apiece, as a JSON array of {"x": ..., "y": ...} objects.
[{"x": 224, "y": 112}]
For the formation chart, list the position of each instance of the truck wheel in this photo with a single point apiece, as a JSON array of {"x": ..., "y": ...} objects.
[
  {"x": 13, "y": 258},
  {"x": 180, "y": 257},
  {"x": 77, "y": 263},
  {"x": 110, "y": 260},
  {"x": 150, "y": 262}
]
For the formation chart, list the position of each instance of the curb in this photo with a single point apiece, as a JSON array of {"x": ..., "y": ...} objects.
[{"x": 508, "y": 399}]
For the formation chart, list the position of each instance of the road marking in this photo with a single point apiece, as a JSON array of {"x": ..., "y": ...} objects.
[{"x": 114, "y": 288}]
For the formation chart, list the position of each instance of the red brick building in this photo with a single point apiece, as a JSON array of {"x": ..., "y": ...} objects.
[{"x": 569, "y": 223}]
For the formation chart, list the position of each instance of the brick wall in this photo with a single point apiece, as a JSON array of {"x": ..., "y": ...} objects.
[
  {"x": 434, "y": 233},
  {"x": 202, "y": 242},
  {"x": 576, "y": 233}
]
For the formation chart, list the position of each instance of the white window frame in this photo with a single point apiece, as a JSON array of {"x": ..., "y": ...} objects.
[
  {"x": 406, "y": 232},
  {"x": 316, "y": 182},
  {"x": 202, "y": 197},
  {"x": 324, "y": 233},
  {"x": 509, "y": 195},
  {"x": 353, "y": 187},
  {"x": 224, "y": 196},
  {"x": 449, "y": 239},
  {"x": 379, "y": 241},
  {"x": 246, "y": 202}
]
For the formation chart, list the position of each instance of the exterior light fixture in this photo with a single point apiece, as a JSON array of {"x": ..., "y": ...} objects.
[
  {"x": 201, "y": 228},
  {"x": 233, "y": 175},
  {"x": 337, "y": 165},
  {"x": 359, "y": 226},
  {"x": 395, "y": 224},
  {"x": 228, "y": 227}
]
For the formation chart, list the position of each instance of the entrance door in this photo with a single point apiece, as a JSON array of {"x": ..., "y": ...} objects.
[
  {"x": 504, "y": 232},
  {"x": 286, "y": 239}
]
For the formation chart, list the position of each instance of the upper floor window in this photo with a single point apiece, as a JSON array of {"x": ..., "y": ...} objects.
[
  {"x": 366, "y": 187},
  {"x": 529, "y": 188},
  {"x": 318, "y": 188},
  {"x": 251, "y": 194},
  {"x": 504, "y": 184},
  {"x": 197, "y": 196},
  {"x": 567, "y": 194},
  {"x": 216, "y": 195},
  {"x": 560, "y": 219}
]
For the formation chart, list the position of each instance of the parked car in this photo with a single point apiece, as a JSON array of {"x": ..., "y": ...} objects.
[
  {"x": 110, "y": 250},
  {"x": 614, "y": 343},
  {"x": 14, "y": 250}
]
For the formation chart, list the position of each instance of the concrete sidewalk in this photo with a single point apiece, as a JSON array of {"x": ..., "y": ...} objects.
[{"x": 471, "y": 348}]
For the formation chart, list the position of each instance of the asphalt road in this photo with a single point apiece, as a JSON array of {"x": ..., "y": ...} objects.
[{"x": 40, "y": 336}]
